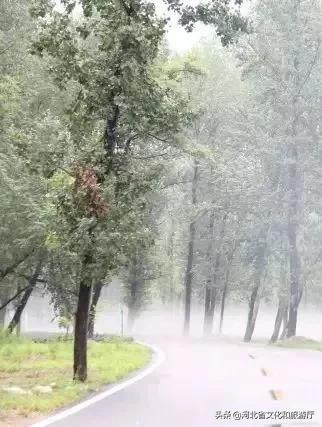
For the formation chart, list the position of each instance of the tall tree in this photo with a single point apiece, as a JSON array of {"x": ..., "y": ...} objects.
[
  {"x": 282, "y": 62},
  {"x": 121, "y": 111}
]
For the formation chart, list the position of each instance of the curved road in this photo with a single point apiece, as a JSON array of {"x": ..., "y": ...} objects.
[{"x": 200, "y": 378}]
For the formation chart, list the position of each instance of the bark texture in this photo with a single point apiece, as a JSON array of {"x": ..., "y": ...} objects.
[{"x": 80, "y": 333}]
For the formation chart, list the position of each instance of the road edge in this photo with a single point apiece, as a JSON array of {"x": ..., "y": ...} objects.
[{"x": 159, "y": 358}]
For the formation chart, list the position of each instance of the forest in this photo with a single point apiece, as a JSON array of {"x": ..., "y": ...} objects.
[{"x": 191, "y": 176}]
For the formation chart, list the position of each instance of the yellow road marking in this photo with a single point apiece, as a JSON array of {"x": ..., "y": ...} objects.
[
  {"x": 277, "y": 394},
  {"x": 266, "y": 372}
]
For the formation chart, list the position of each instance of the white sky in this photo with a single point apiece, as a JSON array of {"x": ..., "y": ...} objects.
[{"x": 180, "y": 40}]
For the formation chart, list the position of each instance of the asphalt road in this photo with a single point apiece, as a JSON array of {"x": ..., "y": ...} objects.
[{"x": 200, "y": 378}]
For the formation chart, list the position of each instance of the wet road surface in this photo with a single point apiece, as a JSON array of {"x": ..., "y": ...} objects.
[{"x": 206, "y": 383}]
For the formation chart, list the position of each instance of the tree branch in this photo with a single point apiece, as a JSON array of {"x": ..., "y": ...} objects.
[
  {"x": 15, "y": 296},
  {"x": 311, "y": 66},
  {"x": 8, "y": 270}
]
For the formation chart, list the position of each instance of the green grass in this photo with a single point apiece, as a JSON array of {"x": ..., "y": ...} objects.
[
  {"x": 304, "y": 344},
  {"x": 26, "y": 364}
]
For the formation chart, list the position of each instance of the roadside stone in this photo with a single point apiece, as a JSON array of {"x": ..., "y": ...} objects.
[
  {"x": 16, "y": 390},
  {"x": 43, "y": 389}
]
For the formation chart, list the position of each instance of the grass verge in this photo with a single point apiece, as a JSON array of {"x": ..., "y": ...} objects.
[
  {"x": 301, "y": 343},
  {"x": 26, "y": 364}
]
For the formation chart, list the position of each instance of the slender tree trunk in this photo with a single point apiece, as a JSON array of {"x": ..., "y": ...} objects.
[
  {"x": 80, "y": 333},
  {"x": 190, "y": 257},
  {"x": 188, "y": 279},
  {"x": 19, "y": 310},
  {"x": 223, "y": 306},
  {"x": 207, "y": 305},
  {"x": 226, "y": 285},
  {"x": 281, "y": 315},
  {"x": 131, "y": 319},
  {"x": 259, "y": 278},
  {"x": 13, "y": 298},
  {"x": 23, "y": 302},
  {"x": 18, "y": 328},
  {"x": 294, "y": 191},
  {"x": 172, "y": 293},
  {"x": 132, "y": 307},
  {"x": 210, "y": 302},
  {"x": 92, "y": 312},
  {"x": 295, "y": 267},
  {"x": 209, "y": 315},
  {"x": 282, "y": 307},
  {"x": 2, "y": 316},
  {"x": 285, "y": 322},
  {"x": 3, "y": 307},
  {"x": 253, "y": 309},
  {"x": 210, "y": 290},
  {"x": 224, "y": 295}
]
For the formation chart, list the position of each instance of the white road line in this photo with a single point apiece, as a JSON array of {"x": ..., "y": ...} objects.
[{"x": 159, "y": 357}]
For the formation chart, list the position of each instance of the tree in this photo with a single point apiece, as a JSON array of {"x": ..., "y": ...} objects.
[
  {"x": 121, "y": 109},
  {"x": 283, "y": 55},
  {"x": 15, "y": 321},
  {"x": 190, "y": 255}
]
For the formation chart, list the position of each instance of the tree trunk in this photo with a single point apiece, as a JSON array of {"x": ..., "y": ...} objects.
[
  {"x": 23, "y": 302},
  {"x": 132, "y": 310},
  {"x": 190, "y": 257},
  {"x": 3, "y": 307},
  {"x": 295, "y": 267},
  {"x": 226, "y": 284},
  {"x": 19, "y": 310},
  {"x": 213, "y": 287},
  {"x": 294, "y": 192},
  {"x": 13, "y": 298},
  {"x": 2, "y": 317},
  {"x": 282, "y": 307},
  {"x": 130, "y": 320},
  {"x": 92, "y": 312},
  {"x": 210, "y": 302},
  {"x": 222, "y": 306},
  {"x": 260, "y": 263},
  {"x": 285, "y": 322},
  {"x": 210, "y": 290},
  {"x": 253, "y": 309},
  {"x": 18, "y": 328},
  {"x": 80, "y": 333},
  {"x": 172, "y": 290}
]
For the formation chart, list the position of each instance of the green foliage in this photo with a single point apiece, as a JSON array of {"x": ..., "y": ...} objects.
[
  {"x": 120, "y": 112},
  {"x": 300, "y": 343},
  {"x": 224, "y": 15}
]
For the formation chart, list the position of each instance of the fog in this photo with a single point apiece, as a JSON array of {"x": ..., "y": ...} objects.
[{"x": 39, "y": 316}]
